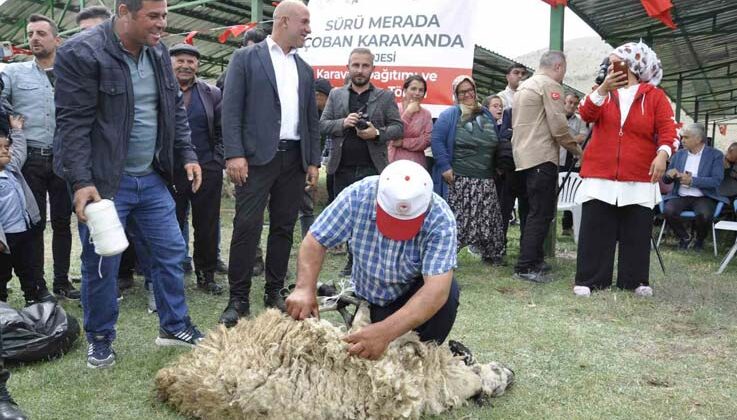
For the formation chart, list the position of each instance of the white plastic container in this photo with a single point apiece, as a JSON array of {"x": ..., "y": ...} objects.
[{"x": 106, "y": 232}]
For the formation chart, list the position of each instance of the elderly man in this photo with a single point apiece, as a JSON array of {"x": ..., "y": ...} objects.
[
  {"x": 539, "y": 129},
  {"x": 121, "y": 134},
  {"x": 696, "y": 172},
  {"x": 29, "y": 88},
  {"x": 202, "y": 102},
  {"x": 358, "y": 149},
  {"x": 272, "y": 142},
  {"x": 404, "y": 245}
]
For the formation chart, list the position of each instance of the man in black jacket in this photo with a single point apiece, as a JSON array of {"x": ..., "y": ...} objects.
[
  {"x": 272, "y": 140},
  {"x": 202, "y": 102},
  {"x": 121, "y": 132}
]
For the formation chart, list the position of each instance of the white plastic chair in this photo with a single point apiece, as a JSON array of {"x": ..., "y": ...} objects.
[
  {"x": 567, "y": 199},
  {"x": 725, "y": 225}
]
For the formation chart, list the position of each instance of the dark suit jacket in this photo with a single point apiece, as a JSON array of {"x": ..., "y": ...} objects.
[
  {"x": 252, "y": 111},
  {"x": 710, "y": 175},
  {"x": 382, "y": 112},
  {"x": 212, "y": 102}
]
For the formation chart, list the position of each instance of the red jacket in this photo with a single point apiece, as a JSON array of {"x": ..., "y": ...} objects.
[{"x": 625, "y": 153}]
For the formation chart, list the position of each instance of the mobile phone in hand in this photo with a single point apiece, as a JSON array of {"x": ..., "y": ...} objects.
[{"x": 620, "y": 66}]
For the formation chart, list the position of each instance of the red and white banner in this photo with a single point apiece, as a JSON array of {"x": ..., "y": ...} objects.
[{"x": 432, "y": 38}]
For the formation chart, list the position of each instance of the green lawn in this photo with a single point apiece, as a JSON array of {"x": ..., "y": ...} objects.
[{"x": 609, "y": 356}]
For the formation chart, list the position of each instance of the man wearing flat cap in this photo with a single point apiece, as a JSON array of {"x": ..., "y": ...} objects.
[
  {"x": 403, "y": 238},
  {"x": 202, "y": 102}
]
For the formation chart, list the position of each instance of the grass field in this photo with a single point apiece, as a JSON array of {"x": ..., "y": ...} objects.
[{"x": 611, "y": 356}]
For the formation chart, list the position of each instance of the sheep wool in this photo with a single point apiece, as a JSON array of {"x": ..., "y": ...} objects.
[{"x": 272, "y": 367}]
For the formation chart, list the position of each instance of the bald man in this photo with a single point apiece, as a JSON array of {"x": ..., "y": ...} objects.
[{"x": 272, "y": 142}]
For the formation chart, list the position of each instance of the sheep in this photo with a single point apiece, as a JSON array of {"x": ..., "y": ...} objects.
[{"x": 274, "y": 367}]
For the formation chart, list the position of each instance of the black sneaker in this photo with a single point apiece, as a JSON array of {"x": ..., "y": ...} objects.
[
  {"x": 43, "y": 295},
  {"x": 206, "y": 282},
  {"x": 125, "y": 282},
  {"x": 684, "y": 243},
  {"x": 274, "y": 299},
  {"x": 221, "y": 268},
  {"x": 67, "y": 292},
  {"x": 533, "y": 276},
  {"x": 234, "y": 311},
  {"x": 100, "y": 354},
  {"x": 188, "y": 337}
]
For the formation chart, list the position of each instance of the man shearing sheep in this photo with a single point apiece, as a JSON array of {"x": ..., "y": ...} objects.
[{"x": 404, "y": 241}]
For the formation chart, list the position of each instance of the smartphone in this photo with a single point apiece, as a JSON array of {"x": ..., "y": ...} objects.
[{"x": 620, "y": 66}]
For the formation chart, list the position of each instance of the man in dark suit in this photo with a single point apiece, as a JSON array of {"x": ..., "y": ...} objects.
[
  {"x": 696, "y": 171},
  {"x": 202, "y": 102},
  {"x": 271, "y": 137},
  {"x": 359, "y": 148}
]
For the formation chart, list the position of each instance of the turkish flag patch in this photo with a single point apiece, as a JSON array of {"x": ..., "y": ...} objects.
[{"x": 555, "y": 96}]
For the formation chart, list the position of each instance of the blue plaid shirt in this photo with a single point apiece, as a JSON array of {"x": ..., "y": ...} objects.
[{"x": 385, "y": 269}]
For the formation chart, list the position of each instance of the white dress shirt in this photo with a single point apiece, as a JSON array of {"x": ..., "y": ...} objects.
[
  {"x": 692, "y": 166},
  {"x": 507, "y": 96},
  {"x": 620, "y": 193},
  {"x": 287, "y": 83}
]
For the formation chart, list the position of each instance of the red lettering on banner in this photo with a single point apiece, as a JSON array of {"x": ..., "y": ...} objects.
[{"x": 438, "y": 79}]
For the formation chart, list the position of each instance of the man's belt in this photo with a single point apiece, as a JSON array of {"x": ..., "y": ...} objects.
[
  {"x": 286, "y": 145},
  {"x": 43, "y": 152}
]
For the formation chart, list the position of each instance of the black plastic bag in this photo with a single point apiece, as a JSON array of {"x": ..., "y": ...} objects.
[{"x": 39, "y": 332}]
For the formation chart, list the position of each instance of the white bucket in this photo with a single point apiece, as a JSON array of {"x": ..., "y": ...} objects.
[{"x": 106, "y": 232}]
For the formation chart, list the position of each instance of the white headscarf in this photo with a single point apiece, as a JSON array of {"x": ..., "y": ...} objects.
[{"x": 642, "y": 61}]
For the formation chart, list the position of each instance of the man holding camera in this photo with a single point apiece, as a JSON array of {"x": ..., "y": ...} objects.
[{"x": 360, "y": 119}]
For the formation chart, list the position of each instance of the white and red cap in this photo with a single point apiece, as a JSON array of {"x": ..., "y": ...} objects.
[{"x": 402, "y": 199}]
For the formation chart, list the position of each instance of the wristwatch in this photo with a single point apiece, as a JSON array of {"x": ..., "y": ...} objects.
[{"x": 378, "y": 133}]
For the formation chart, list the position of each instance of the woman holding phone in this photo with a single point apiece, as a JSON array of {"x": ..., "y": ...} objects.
[
  {"x": 634, "y": 134},
  {"x": 417, "y": 123}
]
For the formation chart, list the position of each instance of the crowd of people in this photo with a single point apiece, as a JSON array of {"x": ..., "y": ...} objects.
[{"x": 113, "y": 113}]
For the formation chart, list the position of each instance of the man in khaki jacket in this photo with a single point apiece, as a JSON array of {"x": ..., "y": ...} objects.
[{"x": 539, "y": 129}]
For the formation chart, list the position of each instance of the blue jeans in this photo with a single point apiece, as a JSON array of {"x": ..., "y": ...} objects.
[
  {"x": 142, "y": 253},
  {"x": 148, "y": 203}
]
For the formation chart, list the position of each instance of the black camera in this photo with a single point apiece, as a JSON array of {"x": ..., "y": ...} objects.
[
  {"x": 603, "y": 70},
  {"x": 362, "y": 123}
]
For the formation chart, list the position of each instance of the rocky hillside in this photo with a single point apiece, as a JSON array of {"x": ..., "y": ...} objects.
[{"x": 584, "y": 56}]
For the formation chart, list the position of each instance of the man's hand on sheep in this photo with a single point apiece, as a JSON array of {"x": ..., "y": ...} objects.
[
  {"x": 370, "y": 342},
  {"x": 302, "y": 304}
]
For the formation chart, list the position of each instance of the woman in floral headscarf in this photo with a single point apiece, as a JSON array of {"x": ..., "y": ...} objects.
[
  {"x": 634, "y": 133},
  {"x": 464, "y": 142}
]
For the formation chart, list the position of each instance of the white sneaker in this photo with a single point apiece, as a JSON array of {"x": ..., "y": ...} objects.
[
  {"x": 644, "y": 291},
  {"x": 581, "y": 291}
]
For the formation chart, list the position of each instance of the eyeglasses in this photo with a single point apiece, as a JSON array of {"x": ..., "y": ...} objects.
[{"x": 467, "y": 92}]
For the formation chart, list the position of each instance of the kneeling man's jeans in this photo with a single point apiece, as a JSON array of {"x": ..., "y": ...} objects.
[
  {"x": 438, "y": 326},
  {"x": 147, "y": 201}
]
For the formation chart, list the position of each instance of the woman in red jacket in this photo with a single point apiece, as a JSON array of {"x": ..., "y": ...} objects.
[{"x": 634, "y": 133}]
